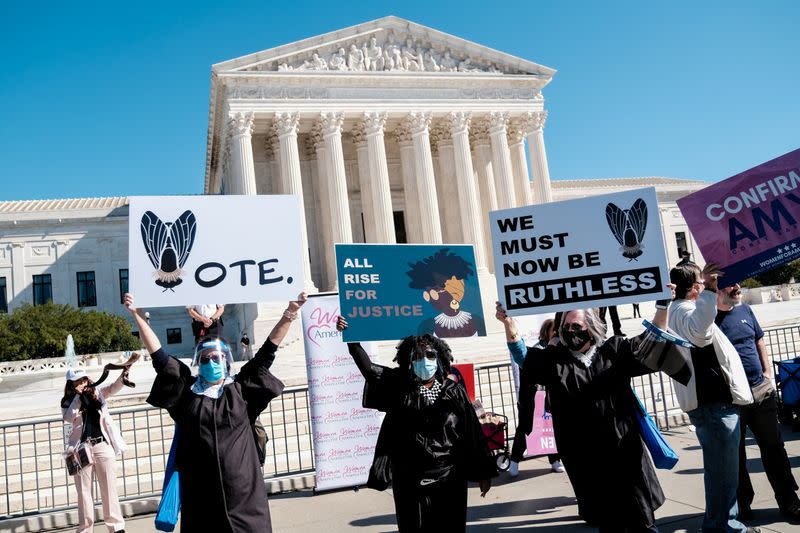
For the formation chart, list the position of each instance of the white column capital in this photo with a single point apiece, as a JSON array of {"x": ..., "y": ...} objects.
[
  {"x": 498, "y": 120},
  {"x": 402, "y": 134},
  {"x": 271, "y": 142},
  {"x": 441, "y": 133},
  {"x": 418, "y": 122},
  {"x": 479, "y": 132},
  {"x": 459, "y": 121},
  {"x": 374, "y": 123},
  {"x": 241, "y": 124},
  {"x": 534, "y": 121},
  {"x": 516, "y": 131},
  {"x": 331, "y": 123},
  {"x": 316, "y": 138},
  {"x": 359, "y": 133},
  {"x": 286, "y": 123}
]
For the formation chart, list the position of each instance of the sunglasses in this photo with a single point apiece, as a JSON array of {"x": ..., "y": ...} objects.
[{"x": 431, "y": 355}]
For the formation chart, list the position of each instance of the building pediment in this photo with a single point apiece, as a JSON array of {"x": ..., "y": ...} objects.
[{"x": 386, "y": 45}]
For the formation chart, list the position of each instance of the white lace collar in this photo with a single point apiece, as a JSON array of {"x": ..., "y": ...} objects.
[
  {"x": 456, "y": 321},
  {"x": 585, "y": 358},
  {"x": 202, "y": 388}
]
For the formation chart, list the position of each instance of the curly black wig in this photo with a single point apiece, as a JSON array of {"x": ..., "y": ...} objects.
[
  {"x": 418, "y": 344},
  {"x": 435, "y": 270}
]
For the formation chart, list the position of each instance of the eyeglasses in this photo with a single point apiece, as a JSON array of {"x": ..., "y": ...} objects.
[{"x": 206, "y": 358}]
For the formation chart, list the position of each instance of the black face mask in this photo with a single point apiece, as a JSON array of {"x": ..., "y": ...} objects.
[{"x": 575, "y": 340}]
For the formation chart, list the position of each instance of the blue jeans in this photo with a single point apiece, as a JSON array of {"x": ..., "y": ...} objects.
[{"x": 718, "y": 432}]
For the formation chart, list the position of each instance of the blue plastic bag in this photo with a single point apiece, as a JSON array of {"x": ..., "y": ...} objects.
[
  {"x": 664, "y": 457},
  {"x": 169, "y": 507}
]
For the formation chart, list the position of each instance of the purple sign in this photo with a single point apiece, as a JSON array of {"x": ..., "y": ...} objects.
[{"x": 748, "y": 223}]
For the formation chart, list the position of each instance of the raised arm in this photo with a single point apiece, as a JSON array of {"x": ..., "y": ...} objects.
[
  {"x": 515, "y": 343},
  {"x": 146, "y": 333},
  {"x": 284, "y": 323},
  {"x": 360, "y": 357}
]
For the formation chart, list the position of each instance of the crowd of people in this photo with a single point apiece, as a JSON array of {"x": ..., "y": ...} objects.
[{"x": 430, "y": 445}]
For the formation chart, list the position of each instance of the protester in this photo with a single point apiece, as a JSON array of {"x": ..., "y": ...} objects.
[
  {"x": 546, "y": 333},
  {"x": 738, "y": 322},
  {"x": 206, "y": 320},
  {"x": 430, "y": 443},
  {"x": 594, "y": 415},
  {"x": 222, "y": 488},
  {"x": 85, "y": 408},
  {"x": 636, "y": 312},
  {"x": 713, "y": 396},
  {"x": 616, "y": 325}
]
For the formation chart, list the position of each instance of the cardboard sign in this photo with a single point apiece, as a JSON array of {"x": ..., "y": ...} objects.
[
  {"x": 596, "y": 251},
  {"x": 542, "y": 439},
  {"x": 189, "y": 250},
  {"x": 748, "y": 223},
  {"x": 390, "y": 291},
  {"x": 343, "y": 431}
]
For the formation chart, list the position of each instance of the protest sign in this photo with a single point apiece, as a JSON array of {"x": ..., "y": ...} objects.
[
  {"x": 596, "y": 251},
  {"x": 748, "y": 223},
  {"x": 542, "y": 439},
  {"x": 390, "y": 291},
  {"x": 187, "y": 250},
  {"x": 344, "y": 433}
]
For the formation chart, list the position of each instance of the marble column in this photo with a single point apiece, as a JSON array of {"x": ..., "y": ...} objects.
[
  {"x": 242, "y": 168},
  {"x": 469, "y": 215},
  {"x": 412, "y": 216},
  {"x": 379, "y": 172},
  {"x": 501, "y": 160},
  {"x": 359, "y": 133},
  {"x": 519, "y": 164},
  {"x": 426, "y": 181},
  {"x": 324, "y": 206},
  {"x": 272, "y": 148},
  {"x": 286, "y": 125},
  {"x": 446, "y": 185},
  {"x": 538, "y": 156},
  {"x": 341, "y": 228},
  {"x": 479, "y": 134}
]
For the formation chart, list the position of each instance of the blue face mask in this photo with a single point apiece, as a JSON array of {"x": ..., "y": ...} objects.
[
  {"x": 425, "y": 368},
  {"x": 212, "y": 371}
]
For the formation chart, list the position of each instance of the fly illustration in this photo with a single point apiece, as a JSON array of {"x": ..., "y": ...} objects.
[
  {"x": 628, "y": 226},
  {"x": 168, "y": 245}
]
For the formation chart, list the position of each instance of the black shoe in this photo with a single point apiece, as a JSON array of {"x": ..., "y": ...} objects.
[{"x": 792, "y": 512}]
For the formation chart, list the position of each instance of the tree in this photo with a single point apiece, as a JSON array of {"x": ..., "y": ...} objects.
[
  {"x": 34, "y": 332},
  {"x": 781, "y": 274}
]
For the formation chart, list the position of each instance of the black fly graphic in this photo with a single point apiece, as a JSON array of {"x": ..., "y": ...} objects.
[
  {"x": 168, "y": 245},
  {"x": 628, "y": 227}
]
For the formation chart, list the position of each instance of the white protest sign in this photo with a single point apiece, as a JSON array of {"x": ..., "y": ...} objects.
[
  {"x": 596, "y": 251},
  {"x": 343, "y": 431},
  {"x": 187, "y": 250}
]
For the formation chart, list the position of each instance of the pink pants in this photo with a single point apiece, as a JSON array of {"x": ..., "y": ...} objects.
[{"x": 105, "y": 465}]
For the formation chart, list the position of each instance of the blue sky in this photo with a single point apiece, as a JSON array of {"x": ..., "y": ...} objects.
[{"x": 104, "y": 99}]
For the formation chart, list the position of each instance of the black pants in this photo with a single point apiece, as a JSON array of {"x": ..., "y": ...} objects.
[
  {"x": 437, "y": 507},
  {"x": 616, "y": 325},
  {"x": 762, "y": 419}
]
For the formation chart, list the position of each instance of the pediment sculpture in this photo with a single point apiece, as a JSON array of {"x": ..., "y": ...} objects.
[{"x": 388, "y": 54}]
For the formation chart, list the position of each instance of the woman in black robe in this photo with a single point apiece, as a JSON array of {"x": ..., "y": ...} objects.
[
  {"x": 222, "y": 485},
  {"x": 594, "y": 415},
  {"x": 430, "y": 443}
]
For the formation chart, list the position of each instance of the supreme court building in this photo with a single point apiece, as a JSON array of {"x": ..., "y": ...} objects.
[{"x": 387, "y": 131}]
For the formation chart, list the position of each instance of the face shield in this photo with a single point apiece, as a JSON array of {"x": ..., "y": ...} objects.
[{"x": 214, "y": 352}]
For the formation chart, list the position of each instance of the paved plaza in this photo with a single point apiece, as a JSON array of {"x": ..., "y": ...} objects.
[{"x": 538, "y": 499}]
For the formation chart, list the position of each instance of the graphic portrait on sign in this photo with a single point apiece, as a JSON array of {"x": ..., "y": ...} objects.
[
  {"x": 392, "y": 291},
  {"x": 596, "y": 251}
]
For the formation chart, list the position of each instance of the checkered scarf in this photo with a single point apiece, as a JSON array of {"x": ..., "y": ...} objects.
[{"x": 429, "y": 395}]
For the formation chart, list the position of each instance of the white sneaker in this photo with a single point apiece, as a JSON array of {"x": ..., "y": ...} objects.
[
  {"x": 557, "y": 467},
  {"x": 513, "y": 469}
]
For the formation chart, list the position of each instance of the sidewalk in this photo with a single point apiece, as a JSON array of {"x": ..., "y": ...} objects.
[{"x": 537, "y": 499}]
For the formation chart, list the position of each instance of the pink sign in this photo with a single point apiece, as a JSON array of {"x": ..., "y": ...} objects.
[
  {"x": 542, "y": 439},
  {"x": 748, "y": 223}
]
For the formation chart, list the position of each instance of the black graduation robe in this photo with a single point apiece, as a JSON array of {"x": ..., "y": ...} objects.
[
  {"x": 222, "y": 486},
  {"x": 418, "y": 442},
  {"x": 596, "y": 430}
]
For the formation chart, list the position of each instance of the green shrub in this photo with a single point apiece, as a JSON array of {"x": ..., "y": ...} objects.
[
  {"x": 750, "y": 283},
  {"x": 32, "y": 332},
  {"x": 780, "y": 275}
]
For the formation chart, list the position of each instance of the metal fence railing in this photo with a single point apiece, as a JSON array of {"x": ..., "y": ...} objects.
[{"x": 33, "y": 478}]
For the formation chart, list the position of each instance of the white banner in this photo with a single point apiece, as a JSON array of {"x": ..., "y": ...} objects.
[
  {"x": 344, "y": 432},
  {"x": 191, "y": 250},
  {"x": 595, "y": 251}
]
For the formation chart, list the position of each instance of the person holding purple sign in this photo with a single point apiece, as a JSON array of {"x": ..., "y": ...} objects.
[{"x": 588, "y": 381}]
